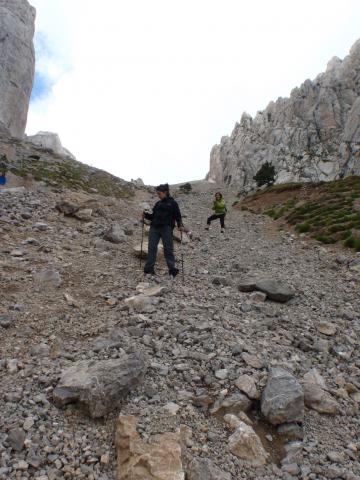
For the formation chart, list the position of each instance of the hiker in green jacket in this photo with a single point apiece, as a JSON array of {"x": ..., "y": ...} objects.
[{"x": 220, "y": 210}]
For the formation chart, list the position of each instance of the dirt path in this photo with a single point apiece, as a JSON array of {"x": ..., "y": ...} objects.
[{"x": 193, "y": 331}]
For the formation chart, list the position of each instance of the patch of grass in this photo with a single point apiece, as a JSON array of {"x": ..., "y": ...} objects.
[
  {"x": 325, "y": 239},
  {"x": 327, "y": 211},
  {"x": 352, "y": 242},
  {"x": 303, "y": 228},
  {"x": 73, "y": 175}
]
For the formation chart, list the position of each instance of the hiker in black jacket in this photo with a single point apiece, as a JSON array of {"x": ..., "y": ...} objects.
[{"x": 165, "y": 214}]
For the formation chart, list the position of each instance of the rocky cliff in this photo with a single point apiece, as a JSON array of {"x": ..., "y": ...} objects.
[
  {"x": 17, "y": 64},
  {"x": 314, "y": 135}
]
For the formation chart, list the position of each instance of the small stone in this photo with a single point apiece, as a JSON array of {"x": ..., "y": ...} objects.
[
  {"x": 221, "y": 374},
  {"x": 252, "y": 360},
  {"x": 246, "y": 384},
  {"x": 326, "y": 328},
  {"x": 336, "y": 457},
  {"x": 28, "y": 424},
  {"x": 5, "y": 321},
  {"x": 258, "y": 297},
  {"x": 105, "y": 458},
  {"x": 318, "y": 399},
  {"x": 16, "y": 439},
  {"x": 172, "y": 408}
]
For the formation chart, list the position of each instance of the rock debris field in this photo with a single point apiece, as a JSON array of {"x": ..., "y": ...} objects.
[{"x": 247, "y": 369}]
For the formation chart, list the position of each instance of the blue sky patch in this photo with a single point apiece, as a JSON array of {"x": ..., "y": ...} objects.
[{"x": 42, "y": 86}]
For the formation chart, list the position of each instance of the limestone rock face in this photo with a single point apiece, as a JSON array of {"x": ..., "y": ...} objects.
[
  {"x": 17, "y": 63},
  {"x": 50, "y": 141},
  {"x": 312, "y": 136},
  {"x": 160, "y": 459}
]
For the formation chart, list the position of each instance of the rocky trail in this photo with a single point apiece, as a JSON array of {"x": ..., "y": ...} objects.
[{"x": 263, "y": 321}]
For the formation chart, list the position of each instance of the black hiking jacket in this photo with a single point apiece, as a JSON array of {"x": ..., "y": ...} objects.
[{"x": 165, "y": 212}]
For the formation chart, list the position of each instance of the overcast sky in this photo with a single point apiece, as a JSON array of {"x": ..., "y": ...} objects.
[{"x": 145, "y": 88}]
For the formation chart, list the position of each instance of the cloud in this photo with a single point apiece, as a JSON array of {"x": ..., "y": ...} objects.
[{"x": 144, "y": 89}]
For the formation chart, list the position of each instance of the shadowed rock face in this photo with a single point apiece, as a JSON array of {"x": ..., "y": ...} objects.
[
  {"x": 17, "y": 63},
  {"x": 312, "y": 136}
]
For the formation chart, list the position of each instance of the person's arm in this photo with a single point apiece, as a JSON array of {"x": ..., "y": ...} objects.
[
  {"x": 177, "y": 214},
  {"x": 148, "y": 215}
]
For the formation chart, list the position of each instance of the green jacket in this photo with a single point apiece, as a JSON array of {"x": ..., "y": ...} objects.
[{"x": 219, "y": 207}]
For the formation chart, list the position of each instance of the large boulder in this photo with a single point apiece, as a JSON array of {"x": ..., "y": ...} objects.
[
  {"x": 283, "y": 398},
  {"x": 17, "y": 63},
  {"x": 159, "y": 459},
  {"x": 100, "y": 386}
]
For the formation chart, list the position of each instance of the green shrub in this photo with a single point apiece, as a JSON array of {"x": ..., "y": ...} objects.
[
  {"x": 186, "y": 188},
  {"x": 265, "y": 175},
  {"x": 324, "y": 239},
  {"x": 303, "y": 228}
]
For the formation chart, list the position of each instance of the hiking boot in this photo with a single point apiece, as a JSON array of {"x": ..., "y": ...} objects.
[
  {"x": 222, "y": 230},
  {"x": 150, "y": 271},
  {"x": 173, "y": 272},
  {"x": 207, "y": 227}
]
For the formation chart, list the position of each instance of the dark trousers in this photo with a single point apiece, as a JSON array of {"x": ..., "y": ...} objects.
[
  {"x": 215, "y": 216},
  {"x": 165, "y": 233}
]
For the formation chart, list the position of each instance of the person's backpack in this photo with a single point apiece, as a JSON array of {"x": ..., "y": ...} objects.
[{"x": 2, "y": 179}]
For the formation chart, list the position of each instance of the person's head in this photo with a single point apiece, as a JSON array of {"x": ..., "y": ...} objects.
[
  {"x": 162, "y": 191},
  {"x": 218, "y": 196}
]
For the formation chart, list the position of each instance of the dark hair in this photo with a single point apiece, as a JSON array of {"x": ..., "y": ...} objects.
[
  {"x": 164, "y": 187},
  {"x": 218, "y": 193}
]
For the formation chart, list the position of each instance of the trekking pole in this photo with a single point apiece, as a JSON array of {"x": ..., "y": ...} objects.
[
  {"x": 182, "y": 257},
  {"x": 142, "y": 241}
]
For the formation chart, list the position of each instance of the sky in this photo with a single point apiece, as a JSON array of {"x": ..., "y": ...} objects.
[{"x": 145, "y": 88}]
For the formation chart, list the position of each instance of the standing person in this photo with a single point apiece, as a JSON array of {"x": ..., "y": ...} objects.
[
  {"x": 165, "y": 214},
  {"x": 220, "y": 210}
]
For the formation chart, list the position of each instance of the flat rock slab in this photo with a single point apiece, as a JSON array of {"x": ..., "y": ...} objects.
[
  {"x": 275, "y": 290},
  {"x": 283, "y": 398},
  {"x": 159, "y": 459},
  {"x": 100, "y": 386}
]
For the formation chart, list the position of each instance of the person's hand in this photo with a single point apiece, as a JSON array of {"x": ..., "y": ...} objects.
[{"x": 181, "y": 228}]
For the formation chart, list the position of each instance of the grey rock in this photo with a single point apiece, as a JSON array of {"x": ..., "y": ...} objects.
[
  {"x": 205, "y": 469},
  {"x": 66, "y": 207},
  {"x": 115, "y": 234},
  {"x": 283, "y": 399},
  {"x": 246, "y": 284},
  {"x": 100, "y": 386},
  {"x": 5, "y": 321},
  {"x": 49, "y": 277},
  {"x": 291, "y": 431},
  {"x": 318, "y": 399},
  {"x": 16, "y": 439},
  {"x": 17, "y": 63},
  {"x": 312, "y": 136},
  {"x": 276, "y": 290}
]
